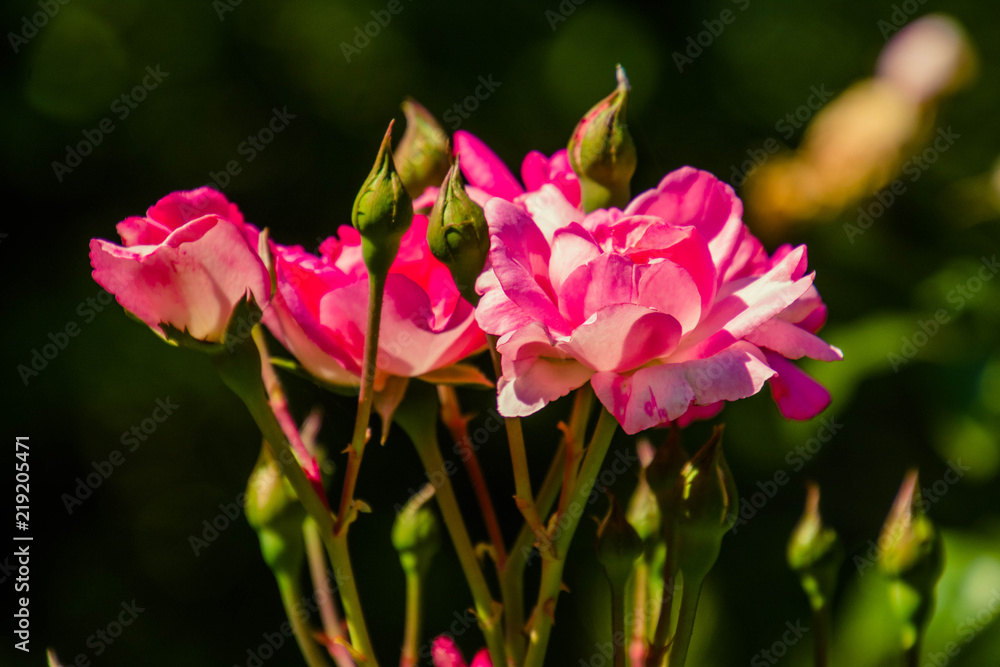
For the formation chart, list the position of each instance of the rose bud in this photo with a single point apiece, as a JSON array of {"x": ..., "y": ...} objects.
[
  {"x": 815, "y": 553},
  {"x": 457, "y": 233},
  {"x": 382, "y": 211},
  {"x": 601, "y": 151},
  {"x": 422, "y": 153},
  {"x": 912, "y": 556},
  {"x": 416, "y": 533},
  {"x": 273, "y": 511}
]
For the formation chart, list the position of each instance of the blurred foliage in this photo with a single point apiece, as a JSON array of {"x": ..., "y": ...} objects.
[{"x": 227, "y": 72}]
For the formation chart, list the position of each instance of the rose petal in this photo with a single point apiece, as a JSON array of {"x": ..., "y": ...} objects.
[
  {"x": 483, "y": 169},
  {"x": 798, "y": 396}
]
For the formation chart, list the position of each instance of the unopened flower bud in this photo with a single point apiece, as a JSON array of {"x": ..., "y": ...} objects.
[
  {"x": 643, "y": 510},
  {"x": 664, "y": 472},
  {"x": 601, "y": 151},
  {"x": 912, "y": 556},
  {"x": 382, "y": 211},
  {"x": 422, "y": 153},
  {"x": 618, "y": 545},
  {"x": 458, "y": 234},
  {"x": 815, "y": 553},
  {"x": 274, "y": 512},
  {"x": 416, "y": 534},
  {"x": 707, "y": 498}
]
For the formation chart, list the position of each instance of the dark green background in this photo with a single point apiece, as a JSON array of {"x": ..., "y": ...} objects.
[{"x": 129, "y": 540}]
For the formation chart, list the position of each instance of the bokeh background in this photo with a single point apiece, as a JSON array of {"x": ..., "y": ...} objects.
[{"x": 227, "y": 66}]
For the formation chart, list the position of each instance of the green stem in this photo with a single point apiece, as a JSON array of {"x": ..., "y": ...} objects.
[
  {"x": 316, "y": 557},
  {"x": 291, "y": 594},
  {"x": 658, "y": 649},
  {"x": 543, "y": 616},
  {"x": 241, "y": 372},
  {"x": 411, "y": 633},
  {"x": 640, "y": 583},
  {"x": 518, "y": 457},
  {"x": 681, "y": 642},
  {"x": 512, "y": 576},
  {"x": 376, "y": 292},
  {"x": 417, "y": 415},
  {"x": 911, "y": 656},
  {"x": 619, "y": 637},
  {"x": 821, "y": 635}
]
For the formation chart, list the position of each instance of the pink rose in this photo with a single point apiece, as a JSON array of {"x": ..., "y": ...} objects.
[
  {"x": 445, "y": 653},
  {"x": 666, "y": 306},
  {"x": 487, "y": 176},
  {"x": 320, "y": 310},
  {"x": 186, "y": 264}
]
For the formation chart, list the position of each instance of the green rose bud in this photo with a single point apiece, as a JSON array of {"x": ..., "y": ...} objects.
[
  {"x": 457, "y": 233},
  {"x": 618, "y": 545},
  {"x": 416, "y": 533},
  {"x": 422, "y": 154},
  {"x": 912, "y": 556},
  {"x": 382, "y": 211},
  {"x": 601, "y": 150},
  {"x": 815, "y": 553},
  {"x": 707, "y": 498},
  {"x": 274, "y": 512}
]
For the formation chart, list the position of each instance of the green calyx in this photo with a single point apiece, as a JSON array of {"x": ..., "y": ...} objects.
[
  {"x": 422, "y": 153},
  {"x": 815, "y": 553},
  {"x": 416, "y": 533},
  {"x": 275, "y": 513},
  {"x": 706, "y": 501},
  {"x": 457, "y": 233},
  {"x": 382, "y": 211},
  {"x": 618, "y": 545},
  {"x": 601, "y": 150}
]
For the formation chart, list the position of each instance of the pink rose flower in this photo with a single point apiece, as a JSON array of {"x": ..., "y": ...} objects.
[
  {"x": 445, "y": 653},
  {"x": 487, "y": 176},
  {"x": 319, "y": 312},
  {"x": 666, "y": 306},
  {"x": 186, "y": 264}
]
